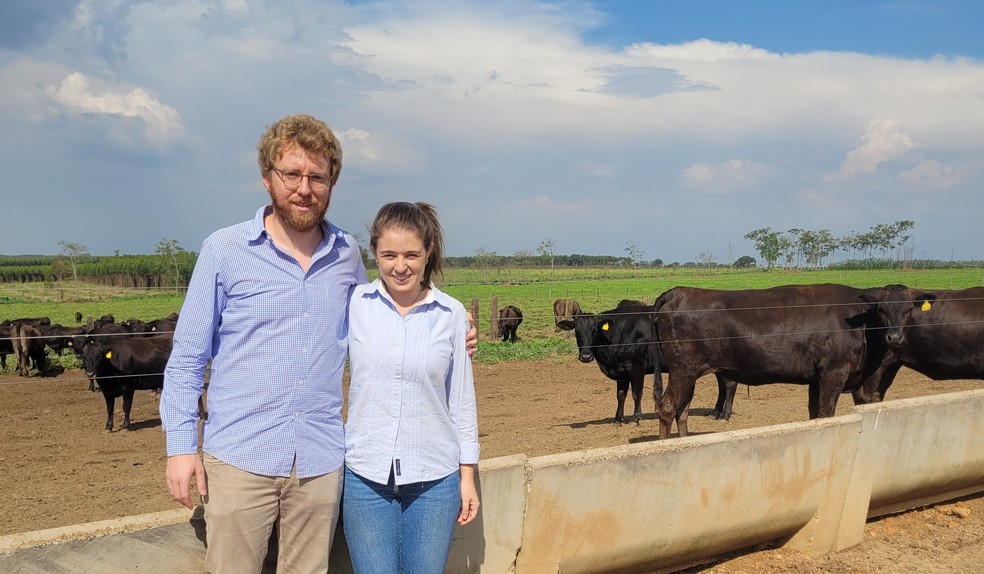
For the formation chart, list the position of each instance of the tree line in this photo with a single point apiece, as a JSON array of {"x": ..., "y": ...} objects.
[{"x": 171, "y": 266}]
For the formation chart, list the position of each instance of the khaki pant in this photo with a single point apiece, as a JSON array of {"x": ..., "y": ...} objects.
[{"x": 241, "y": 509}]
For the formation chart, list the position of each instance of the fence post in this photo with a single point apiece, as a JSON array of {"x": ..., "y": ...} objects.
[
  {"x": 494, "y": 318},
  {"x": 474, "y": 312}
]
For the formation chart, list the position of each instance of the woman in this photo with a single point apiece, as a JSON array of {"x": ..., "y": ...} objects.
[{"x": 411, "y": 436}]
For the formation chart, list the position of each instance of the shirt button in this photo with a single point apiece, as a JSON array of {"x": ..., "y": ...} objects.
[
  {"x": 301, "y": 382},
  {"x": 304, "y": 349}
]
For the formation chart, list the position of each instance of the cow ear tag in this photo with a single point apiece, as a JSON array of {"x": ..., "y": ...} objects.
[
  {"x": 109, "y": 354},
  {"x": 926, "y": 306},
  {"x": 604, "y": 326}
]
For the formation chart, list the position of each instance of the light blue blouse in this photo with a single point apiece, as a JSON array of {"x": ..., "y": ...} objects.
[{"x": 411, "y": 402}]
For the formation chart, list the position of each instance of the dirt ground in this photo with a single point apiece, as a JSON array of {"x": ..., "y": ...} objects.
[{"x": 59, "y": 467}]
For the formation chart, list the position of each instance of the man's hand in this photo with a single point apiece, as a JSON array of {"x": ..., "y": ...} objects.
[
  {"x": 471, "y": 338},
  {"x": 180, "y": 469}
]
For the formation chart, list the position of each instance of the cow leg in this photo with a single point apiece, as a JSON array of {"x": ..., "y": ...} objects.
[
  {"x": 823, "y": 398},
  {"x": 110, "y": 406},
  {"x": 638, "y": 382},
  {"x": 621, "y": 390},
  {"x": 127, "y": 403},
  {"x": 674, "y": 405},
  {"x": 726, "y": 398}
]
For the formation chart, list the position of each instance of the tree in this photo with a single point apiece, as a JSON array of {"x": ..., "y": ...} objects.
[
  {"x": 768, "y": 243},
  {"x": 634, "y": 252},
  {"x": 745, "y": 262},
  {"x": 75, "y": 253},
  {"x": 548, "y": 249},
  {"x": 522, "y": 259},
  {"x": 706, "y": 259},
  {"x": 486, "y": 260},
  {"x": 169, "y": 250}
]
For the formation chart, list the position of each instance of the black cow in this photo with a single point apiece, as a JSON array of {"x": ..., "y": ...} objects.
[
  {"x": 564, "y": 311},
  {"x": 7, "y": 334},
  {"x": 937, "y": 333},
  {"x": 78, "y": 316},
  {"x": 155, "y": 327},
  {"x": 101, "y": 332},
  {"x": 28, "y": 345},
  {"x": 6, "y": 344},
  {"x": 33, "y": 321},
  {"x": 801, "y": 334},
  {"x": 623, "y": 343},
  {"x": 59, "y": 338},
  {"x": 510, "y": 318},
  {"x": 123, "y": 365}
]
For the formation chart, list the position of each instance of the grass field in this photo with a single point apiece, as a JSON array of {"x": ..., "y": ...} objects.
[{"x": 531, "y": 289}]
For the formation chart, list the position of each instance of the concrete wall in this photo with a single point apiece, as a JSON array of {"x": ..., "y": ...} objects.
[{"x": 665, "y": 505}]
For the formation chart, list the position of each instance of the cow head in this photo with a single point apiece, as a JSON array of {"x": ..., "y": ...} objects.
[
  {"x": 590, "y": 331},
  {"x": 893, "y": 306},
  {"x": 93, "y": 354}
]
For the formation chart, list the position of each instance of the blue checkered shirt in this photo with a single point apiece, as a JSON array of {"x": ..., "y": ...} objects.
[{"x": 276, "y": 337}]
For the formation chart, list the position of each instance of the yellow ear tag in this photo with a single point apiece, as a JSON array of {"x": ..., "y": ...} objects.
[
  {"x": 109, "y": 354},
  {"x": 604, "y": 326},
  {"x": 926, "y": 306}
]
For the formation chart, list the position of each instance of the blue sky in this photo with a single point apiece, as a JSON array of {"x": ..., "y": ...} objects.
[{"x": 677, "y": 127}]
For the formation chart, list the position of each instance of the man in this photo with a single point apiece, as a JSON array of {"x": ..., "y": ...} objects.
[{"x": 267, "y": 305}]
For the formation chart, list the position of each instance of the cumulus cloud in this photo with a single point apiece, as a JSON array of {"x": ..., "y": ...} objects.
[
  {"x": 77, "y": 94},
  {"x": 734, "y": 175},
  {"x": 380, "y": 152},
  {"x": 882, "y": 142},
  {"x": 930, "y": 175}
]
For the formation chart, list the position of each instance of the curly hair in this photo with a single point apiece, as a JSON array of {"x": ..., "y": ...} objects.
[{"x": 306, "y": 132}]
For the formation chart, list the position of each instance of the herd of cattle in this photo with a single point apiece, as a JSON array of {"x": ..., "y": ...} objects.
[
  {"x": 120, "y": 358},
  {"x": 833, "y": 338}
]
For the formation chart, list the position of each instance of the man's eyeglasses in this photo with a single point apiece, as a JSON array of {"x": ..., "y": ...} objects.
[{"x": 292, "y": 179}]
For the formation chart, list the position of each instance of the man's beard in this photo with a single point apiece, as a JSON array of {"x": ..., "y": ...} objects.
[{"x": 300, "y": 221}]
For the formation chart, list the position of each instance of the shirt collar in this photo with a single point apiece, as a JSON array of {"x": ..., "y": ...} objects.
[
  {"x": 434, "y": 295},
  {"x": 257, "y": 232}
]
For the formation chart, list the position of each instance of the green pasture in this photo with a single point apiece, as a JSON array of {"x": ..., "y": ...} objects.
[{"x": 533, "y": 290}]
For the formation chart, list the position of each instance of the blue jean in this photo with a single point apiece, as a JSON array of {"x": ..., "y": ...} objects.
[{"x": 399, "y": 529}]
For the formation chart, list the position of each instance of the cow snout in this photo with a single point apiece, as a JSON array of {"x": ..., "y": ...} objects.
[
  {"x": 895, "y": 338},
  {"x": 585, "y": 357}
]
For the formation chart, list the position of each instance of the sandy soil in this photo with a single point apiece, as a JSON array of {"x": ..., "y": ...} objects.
[{"x": 59, "y": 467}]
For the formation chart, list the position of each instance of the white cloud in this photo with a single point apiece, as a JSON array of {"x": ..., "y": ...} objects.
[
  {"x": 380, "y": 152},
  {"x": 77, "y": 94},
  {"x": 882, "y": 142},
  {"x": 734, "y": 175},
  {"x": 930, "y": 175}
]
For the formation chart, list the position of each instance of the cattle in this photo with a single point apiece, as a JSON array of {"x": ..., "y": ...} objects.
[
  {"x": 6, "y": 345},
  {"x": 801, "y": 334},
  {"x": 939, "y": 333},
  {"x": 28, "y": 346},
  {"x": 78, "y": 316},
  {"x": 59, "y": 338},
  {"x": 102, "y": 332},
  {"x": 564, "y": 311},
  {"x": 155, "y": 327},
  {"x": 123, "y": 365},
  {"x": 33, "y": 321},
  {"x": 510, "y": 317},
  {"x": 623, "y": 343}
]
